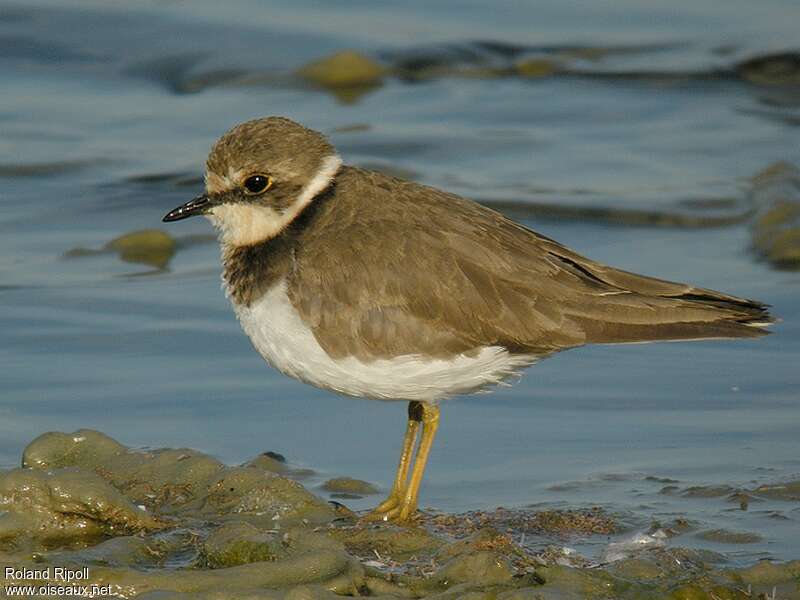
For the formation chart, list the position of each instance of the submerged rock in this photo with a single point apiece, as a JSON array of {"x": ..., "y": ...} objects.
[
  {"x": 537, "y": 67},
  {"x": 348, "y": 74},
  {"x": 772, "y": 69},
  {"x": 151, "y": 247},
  {"x": 789, "y": 490},
  {"x": 343, "y": 69},
  {"x": 776, "y": 228},
  {"x": 349, "y": 487},
  {"x": 723, "y": 536}
]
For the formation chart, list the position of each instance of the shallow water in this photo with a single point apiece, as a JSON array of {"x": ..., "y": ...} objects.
[{"x": 97, "y": 106}]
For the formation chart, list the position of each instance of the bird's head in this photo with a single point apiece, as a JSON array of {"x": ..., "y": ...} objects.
[{"x": 259, "y": 176}]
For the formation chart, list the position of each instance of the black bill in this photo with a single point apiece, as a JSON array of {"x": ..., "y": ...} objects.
[{"x": 196, "y": 206}]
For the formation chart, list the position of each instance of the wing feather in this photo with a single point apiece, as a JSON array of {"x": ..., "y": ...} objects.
[{"x": 393, "y": 268}]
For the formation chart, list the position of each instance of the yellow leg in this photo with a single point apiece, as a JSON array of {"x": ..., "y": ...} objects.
[
  {"x": 399, "y": 487},
  {"x": 430, "y": 423},
  {"x": 402, "y": 501}
]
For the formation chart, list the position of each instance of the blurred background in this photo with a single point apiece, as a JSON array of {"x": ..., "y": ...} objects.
[{"x": 660, "y": 137}]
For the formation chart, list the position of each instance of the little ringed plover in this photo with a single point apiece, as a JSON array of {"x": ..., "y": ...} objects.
[{"x": 371, "y": 286}]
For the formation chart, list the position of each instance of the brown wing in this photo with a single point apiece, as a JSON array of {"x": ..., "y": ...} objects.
[{"x": 392, "y": 268}]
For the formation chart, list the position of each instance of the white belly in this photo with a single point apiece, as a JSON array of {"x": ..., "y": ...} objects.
[{"x": 283, "y": 339}]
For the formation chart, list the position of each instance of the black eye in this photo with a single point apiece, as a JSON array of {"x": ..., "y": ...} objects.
[{"x": 255, "y": 184}]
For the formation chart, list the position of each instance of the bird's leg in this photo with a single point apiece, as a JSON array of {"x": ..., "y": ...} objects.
[
  {"x": 398, "y": 491},
  {"x": 430, "y": 423}
]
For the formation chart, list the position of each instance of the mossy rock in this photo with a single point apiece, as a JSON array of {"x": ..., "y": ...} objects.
[
  {"x": 535, "y": 68},
  {"x": 64, "y": 505},
  {"x": 586, "y": 583},
  {"x": 152, "y": 247},
  {"x": 82, "y": 448},
  {"x": 148, "y": 246},
  {"x": 772, "y": 69},
  {"x": 240, "y": 543},
  {"x": 485, "y": 568},
  {"x": 163, "y": 479},
  {"x": 349, "y": 486},
  {"x": 269, "y": 496},
  {"x": 346, "y": 68},
  {"x": 269, "y": 461},
  {"x": 768, "y": 573},
  {"x": 390, "y": 542},
  {"x": 724, "y": 536}
]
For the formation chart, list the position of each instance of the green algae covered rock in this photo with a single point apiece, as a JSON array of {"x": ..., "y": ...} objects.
[
  {"x": 484, "y": 567},
  {"x": 240, "y": 543},
  {"x": 775, "y": 194},
  {"x": 152, "y": 247},
  {"x": 347, "y": 74},
  {"x": 266, "y": 497},
  {"x": 586, "y": 583},
  {"x": 789, "y": 490},
  {"x": 166, "y": 479},
  {"x": 346, "y": 68},
  {"x": 537, "y": 67},
  {"x": 725, "y": 536},
  {"x": 349, "y": 487},
  {"x": 386, "y": 541},
  {"x": 65, "y": 504},
  {"x": 781, "y": 68},
  {"x": 148, "y": 246},
  {"x": 81, "y": 448}
]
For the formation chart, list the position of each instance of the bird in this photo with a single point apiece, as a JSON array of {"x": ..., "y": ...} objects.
[{"x": 372, "y": 286}]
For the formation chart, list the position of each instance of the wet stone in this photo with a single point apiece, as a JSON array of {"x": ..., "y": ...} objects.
[
  {"x": 772, "y": 69},
  {"x": 267, "y": 497},
  {"x": 352, "y": 487},
  {"x": 268, "y": 461},
  {"x": 386, "y": 543},
  {"x": 724, "y": 536},
  {"x": 240, "y": 543},
  {"x": 484, "y": 567},
  {"x": 789, "y": 490},
  {"x": 347, "y": 68},
  {"x": 276, "y": 463},
  {"x": 65, "y": 505},
  {"x": 708, "y": 491},
  {"x": 84, "y": 448},
  {"x": 536, "y": 67},
  {"x": 775, "y": 230},
  {"x": 151, "y": 247}
]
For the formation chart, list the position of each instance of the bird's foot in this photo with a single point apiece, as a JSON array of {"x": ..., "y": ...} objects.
[{"x": 394, "y": 510}]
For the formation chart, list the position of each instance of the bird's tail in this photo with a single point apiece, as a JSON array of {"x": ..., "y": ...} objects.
[{"x": 629, "y": 308}]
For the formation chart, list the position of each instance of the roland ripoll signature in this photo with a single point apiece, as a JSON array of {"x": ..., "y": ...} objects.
[{"x": 52, "y": 581}]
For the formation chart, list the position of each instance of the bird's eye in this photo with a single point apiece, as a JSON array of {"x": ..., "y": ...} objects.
[{"x": 256, "y": 184}]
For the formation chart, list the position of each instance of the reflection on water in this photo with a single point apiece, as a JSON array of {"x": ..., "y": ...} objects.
[{"x": 631, "y": 133}]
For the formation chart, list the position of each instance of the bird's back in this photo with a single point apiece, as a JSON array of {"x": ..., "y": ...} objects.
[{"x": 388, "y": 267}]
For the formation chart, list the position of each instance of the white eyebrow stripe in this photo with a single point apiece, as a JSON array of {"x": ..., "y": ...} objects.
[{"x": 244, "y": 224}]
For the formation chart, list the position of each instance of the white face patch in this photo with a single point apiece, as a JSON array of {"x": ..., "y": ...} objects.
[
  {"x": 244, "y": 224},
  {"x": 222, "y": 183}
]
